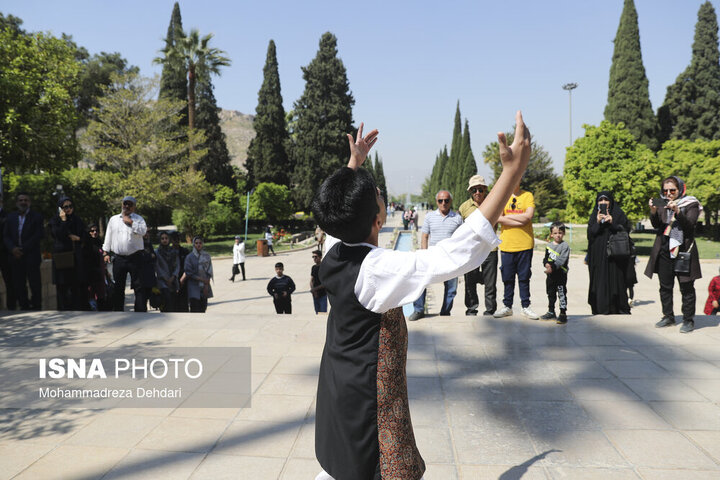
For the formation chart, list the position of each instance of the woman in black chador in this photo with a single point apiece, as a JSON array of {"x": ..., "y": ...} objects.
[
  {"x": 70, "y": 277},
  {"x": 608, "y": 276}
]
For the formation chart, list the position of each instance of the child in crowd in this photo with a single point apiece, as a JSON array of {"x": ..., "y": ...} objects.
[
  {"x": 557, "y": 255},
  {"x": 281, "y": 287},
  {"x": 363, "y": 427},
  {"x": 711, "y": 306}
]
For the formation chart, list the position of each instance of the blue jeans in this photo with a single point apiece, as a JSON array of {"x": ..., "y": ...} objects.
[
  {"x": 449, "y": 296},
  {"x": 516, "y": 263},
  {"x": 320, "y": 303}
]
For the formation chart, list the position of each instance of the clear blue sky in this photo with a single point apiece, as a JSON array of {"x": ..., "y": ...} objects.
[{"x": 408, "y": 62}]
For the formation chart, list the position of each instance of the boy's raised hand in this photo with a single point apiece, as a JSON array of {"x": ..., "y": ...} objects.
[
  {"x": 360, "y": 147},
  {"x": 516, "y": 156}
]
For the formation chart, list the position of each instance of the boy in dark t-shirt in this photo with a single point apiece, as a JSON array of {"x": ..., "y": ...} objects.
[{"x": 280, "y": 287}]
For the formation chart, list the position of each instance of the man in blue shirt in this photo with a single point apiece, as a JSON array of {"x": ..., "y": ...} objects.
[{"x": 438, "y": 225}]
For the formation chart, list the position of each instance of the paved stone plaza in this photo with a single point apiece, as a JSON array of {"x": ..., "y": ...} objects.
[{"x": 607, "y": 397}]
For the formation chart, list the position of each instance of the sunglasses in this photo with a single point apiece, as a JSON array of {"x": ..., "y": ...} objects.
[
  {"x": 93, "y": 231},
  {"x": 669, "y": 190},
  {"x": 443, "y": 200},
  {"x": 477, "y": 190},
  {"x": 514, "y": 203},
  {"x": 67, "y": 206}
]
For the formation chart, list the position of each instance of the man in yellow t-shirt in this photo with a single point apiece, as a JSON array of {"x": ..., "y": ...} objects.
[
  {"x": 516, "y": 251},
  {"x": 487, "y": 272}
]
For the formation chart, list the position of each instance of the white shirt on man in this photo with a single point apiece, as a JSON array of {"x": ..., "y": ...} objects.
[{"x": 122, "y": 239}]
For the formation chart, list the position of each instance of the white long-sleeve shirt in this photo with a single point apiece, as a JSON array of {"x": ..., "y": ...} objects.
[
  {"x": 122, "y": 239},
  {"x": 239, "y": 252},
  {"x": 389, "y": 278}
]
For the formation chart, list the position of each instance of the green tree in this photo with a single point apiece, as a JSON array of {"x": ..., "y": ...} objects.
[
  {"x": 198, "y": 59},
  {"x": 379, "y": 173},
  {"x": 271, "y": 202},
  {"x": 267, "y": 158},
  {"x": 323, "y": 118},
  {"x": 173, "y": 80},
  {"x": 468, "y": 167},
  {"x": 38, "y": 118},
  {"x": 692, "y": 104},
  {"x": 539, "y": 177},
  {"x": 609, "y": 158},
  {"x": 448, "y": 178},
  {"x": 628, "y": 95},
  {"x": 215, "y": 164},
  {"x": 12, "y": 23},
  {"x": 435, "y": 182}
]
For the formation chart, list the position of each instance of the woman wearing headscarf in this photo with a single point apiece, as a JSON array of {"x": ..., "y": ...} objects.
[
  {"x": 168, "y": 271},
  {"x": 99, "y": 280},
  {"x": 69, "y": 275},
  {"x": 198, "y": 273},
  {"x": 675, "y": 223},
  {"x": 608, "y": 275}
]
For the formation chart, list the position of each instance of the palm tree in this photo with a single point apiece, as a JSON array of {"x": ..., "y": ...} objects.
[{"x": 199, "y": 59}]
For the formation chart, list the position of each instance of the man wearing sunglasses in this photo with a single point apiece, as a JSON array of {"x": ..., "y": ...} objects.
[
  {"x": 487, "y": 272},
  {"x": 438, "y": 225},
  {"x": 124, "y": 244}
]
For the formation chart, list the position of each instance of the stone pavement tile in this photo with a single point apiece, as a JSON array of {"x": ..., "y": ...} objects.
[
  {"x": 421, "y": 352},
  {"x": 298, "y": 365},
  {"x": 230, "y": 467},
  {"x": 258, "y": 439},
  {"x": 17, "y": 456},
  {"x": 271, "y": 349},
  {"x": 277, "y": 408},
  {"x": 487, "y": 389},
  {"x": 709, "y": 353},
  {"x": 422, "y": 368},
  {"x": 596, "y": 339},
  {"x": 230, "y": 337},
  {"x": 539, "y": 390},
  {"x": 565, "y": 354},
  {"x": 263, "y": 363},
  {"x": 484, "y": 416},
  {"x": 172, "y": 434},
  {"x": 113, "y": 430},
  {"x": 464, "y": 367},
  {"x": 572, "y": 473},
  {"x": 526, "y": 371},
  {"x": 155, "y": 465},
  {"x": 578, "y": 448},
  {"x": 709, "y": 389},
  {"x": 625, "y": 415},
  {"x": 42, "y": 427},
  {"x": 424, "y": 388},
  {"x": 660, "y": 449},
  {"x": 307, "y": 349},
  {"x": 434, "y": 444},
  {"x": 282, "y": 384},
  {"x": 301, "y": 469},
  {"x": 434, "y": 471},
  {"x": 217, "y": 413},
  {"x": 495, "y": 447},
  {"x": 668, "y": 353},
  {"x": 429, "y": 413},
  {"x": 305, "y": 444},
  {"x": 689, "y": 415},
  {"x": 550, "y": 417},
  {"x": 614, "y": 353},
  {"x": 683, "y": 473},
  {"x": 152, "y": 412},
  {"x": 188, "y": 337},
  {"x": 570, "y": 369},
  {"x": 474, "y": 472},
  {"x": 74, "y": 462},
  {"x": 666, "y": 390},
  {"x": 690, "y": 369},
  {"x": 708, "y": 441},
  {"x": 600, "y": 389},
  {"x": 635, "y": 369}
]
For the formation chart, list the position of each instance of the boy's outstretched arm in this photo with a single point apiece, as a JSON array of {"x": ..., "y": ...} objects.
[
  {"x": 514, "y": 160},
  {"x": 360, "y": 147}
]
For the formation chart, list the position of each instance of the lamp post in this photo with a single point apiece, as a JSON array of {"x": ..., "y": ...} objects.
[
  {"x": 247, "y": 212},
  {"x": 570, "y": 87}
]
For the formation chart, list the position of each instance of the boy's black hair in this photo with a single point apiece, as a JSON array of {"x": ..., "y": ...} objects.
[
  {"x": 317, "y": 252},
  {"x": 346, "y": 204},
  {"x": 559, "y": 225},
  {"x": 280, "y": 265}
]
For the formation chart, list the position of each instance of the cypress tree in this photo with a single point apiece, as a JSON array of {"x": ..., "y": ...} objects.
[
  {"x": 173, "y": 80},
  {"x": 267, "y": 159},
  {"x": 628, "y": 95},
  {"x": 368, "y": 165},
  {"x": 324, "y": 117},
  {"x": 215, "y": 164},
  {"x": 692, "y": 104},
  {"x": 468, "y": 165},
  {"x": 447, "y": 180},
  {"x": 441, "y": 164},
  {"x": 380, "y": 177}
]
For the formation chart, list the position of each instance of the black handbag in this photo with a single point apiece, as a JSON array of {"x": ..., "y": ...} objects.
[
  {"x": 682, "y": 261},
  {"x": 618, "y": 245}
]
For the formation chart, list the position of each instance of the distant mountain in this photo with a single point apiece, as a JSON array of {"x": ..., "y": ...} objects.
[{"x": 238, "y": 130}]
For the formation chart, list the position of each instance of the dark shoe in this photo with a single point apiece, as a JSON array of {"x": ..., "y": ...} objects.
[
  {"x": 415, "y": 316},
  {"x": 665, "y": 322},
  {"x": 562, "y": 319},
  {"x": 444, "y": 314},
  {"x": 548, "y": 316},
  {"x": 470, "y": 311},
  {"x": 687, "y": 326},
  {"x": 488, "y": 313},
  {"x": 232, "y": 279}
]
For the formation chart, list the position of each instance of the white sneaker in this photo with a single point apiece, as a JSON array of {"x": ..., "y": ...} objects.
[
  {"x": 503, "y": 312},
  {"x": 530, "y": 314}
]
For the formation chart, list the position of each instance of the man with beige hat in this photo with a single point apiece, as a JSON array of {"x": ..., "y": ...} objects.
[{"x": 487, "y": 273}]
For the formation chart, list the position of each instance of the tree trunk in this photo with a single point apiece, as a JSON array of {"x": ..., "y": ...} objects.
[{"x": 191, "y": 96}]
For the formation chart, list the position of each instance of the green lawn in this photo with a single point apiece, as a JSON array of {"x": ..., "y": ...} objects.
[
  {"x": 643, "y": 243},
  {"x": 222, "y": 246}
]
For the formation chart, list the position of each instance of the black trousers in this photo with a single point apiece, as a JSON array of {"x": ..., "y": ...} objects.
[
  {"x": 198, "y": 305},
  {"x": 666, "y": 275},
  {"x": 556, "y": 287},
  {"x": 169, "y": 297},
  {"x": 122, "y": 265},
  {"x": 27, "y": 271},
  {"x": 235, "y": 270},
  {"x": 486, "y": 274},
  {"x": 283, "y": 304},
  {"x": 6, "y": 270}
]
